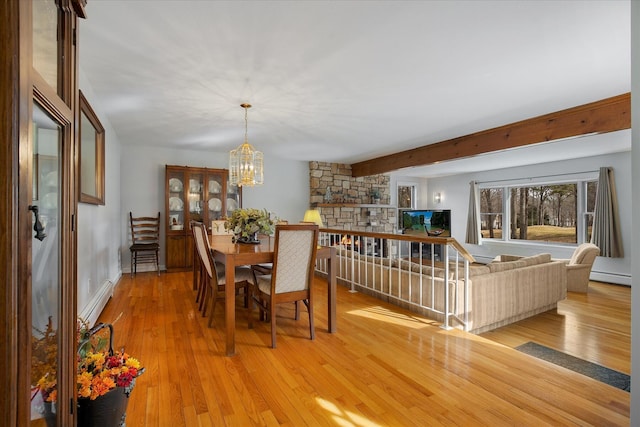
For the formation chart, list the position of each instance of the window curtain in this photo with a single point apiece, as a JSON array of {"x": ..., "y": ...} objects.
[
  {"x": 606, "y": 223},
  {"x": 473, "y": 220}
]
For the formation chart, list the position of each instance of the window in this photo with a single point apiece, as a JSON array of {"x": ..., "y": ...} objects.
[
  {"x": 407, "y": 196},
  {"x": 491, "y": 213},
  {"x": 554, "y": 212},
  {"x": 591, "y": 187}
]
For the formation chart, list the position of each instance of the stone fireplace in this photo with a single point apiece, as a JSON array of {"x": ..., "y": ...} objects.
[{"x": 348, "y": 203}]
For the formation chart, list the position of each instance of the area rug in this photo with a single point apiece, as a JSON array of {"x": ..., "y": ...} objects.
[{"x": 595, "y": 371}]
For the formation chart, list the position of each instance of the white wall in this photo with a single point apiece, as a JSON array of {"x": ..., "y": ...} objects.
[
  {"x": 455, "y": 194},
  {"x": 285, "y": 192},
  {"x": 98, "y": 238}
]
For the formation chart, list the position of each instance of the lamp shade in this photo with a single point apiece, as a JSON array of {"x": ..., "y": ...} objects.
[{"x": 313, "y": 215}]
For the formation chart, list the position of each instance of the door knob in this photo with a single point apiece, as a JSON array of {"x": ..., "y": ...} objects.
[{"x": 37, "y": 227}]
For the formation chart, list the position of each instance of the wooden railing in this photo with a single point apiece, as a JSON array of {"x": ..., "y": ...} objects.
[{"x": 405, "y": 269}]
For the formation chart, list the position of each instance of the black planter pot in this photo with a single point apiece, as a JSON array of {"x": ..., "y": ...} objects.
[
  {"x": 49, "y": 415},
  {"x": 108, "y": 410}
]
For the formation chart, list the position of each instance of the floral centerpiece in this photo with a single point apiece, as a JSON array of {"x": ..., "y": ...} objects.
[{"x": 245, "y": 224}]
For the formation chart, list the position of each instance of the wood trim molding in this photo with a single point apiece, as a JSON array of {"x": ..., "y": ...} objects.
[
  {"x": 10, "y": 109},
  {"x": 607, "y": 115}
]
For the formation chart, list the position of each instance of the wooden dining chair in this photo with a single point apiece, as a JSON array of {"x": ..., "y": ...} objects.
[
  {"x": 145, "y": 241},
  {"x": 213, "y": 287},
  {"x": 291, "y": 277},
  {"x": 265, "y": 268},
  {"x": 198, "y": 266}
]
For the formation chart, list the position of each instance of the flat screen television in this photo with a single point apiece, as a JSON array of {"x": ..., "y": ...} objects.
[{"x": 435, "y": 223}]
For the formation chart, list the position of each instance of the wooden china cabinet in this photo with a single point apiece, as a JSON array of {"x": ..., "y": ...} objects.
[{"x": 194, "y": 194}]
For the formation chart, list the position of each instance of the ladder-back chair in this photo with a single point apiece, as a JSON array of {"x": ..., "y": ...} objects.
[{"x": 145, "y": 241}]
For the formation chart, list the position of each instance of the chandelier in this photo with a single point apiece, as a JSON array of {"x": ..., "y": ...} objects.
[{"x": 245, "y": 162}]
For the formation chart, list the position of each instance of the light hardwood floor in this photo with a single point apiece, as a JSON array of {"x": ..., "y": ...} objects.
[{"x": 384, "y": 366}]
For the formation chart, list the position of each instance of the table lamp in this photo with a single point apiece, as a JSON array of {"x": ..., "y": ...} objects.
[{"x": 313, "y": 215}]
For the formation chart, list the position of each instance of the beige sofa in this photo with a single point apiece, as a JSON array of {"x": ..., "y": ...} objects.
[{"x": 501, "y": 292}]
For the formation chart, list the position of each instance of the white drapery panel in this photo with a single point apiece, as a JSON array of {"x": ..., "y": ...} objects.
[
  {"x": 473, "y": 219},
  {"x": 606, "y": 223}
]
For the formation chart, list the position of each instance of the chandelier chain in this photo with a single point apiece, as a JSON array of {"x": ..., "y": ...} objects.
[{"x": 246, "y": 125}]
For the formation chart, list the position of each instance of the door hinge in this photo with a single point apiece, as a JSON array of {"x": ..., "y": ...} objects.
[
  {"x": 73, "y": 222},
  {"x": 75, "y": 32},
  {"x": 71, "y": 406}
]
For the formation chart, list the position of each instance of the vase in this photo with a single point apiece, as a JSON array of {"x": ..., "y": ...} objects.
[
  {"x": 108, "y": 410},
  {"x": 251, "y": 240},
  {"x": 49, "y": 414}
]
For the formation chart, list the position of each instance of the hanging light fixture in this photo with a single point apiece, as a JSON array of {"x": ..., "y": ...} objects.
[{"x": 245, "y": 162}]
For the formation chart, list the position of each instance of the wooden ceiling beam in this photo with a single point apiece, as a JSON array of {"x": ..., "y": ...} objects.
[{"x": 607, "y": 115}]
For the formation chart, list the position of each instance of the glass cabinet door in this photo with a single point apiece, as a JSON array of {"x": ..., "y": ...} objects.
[
  {"x": 215, "y": 196},
  {"x": 234, "y": 199},
  {"x": 176, "y": 203},
  {"x": 195, "y": 197}
]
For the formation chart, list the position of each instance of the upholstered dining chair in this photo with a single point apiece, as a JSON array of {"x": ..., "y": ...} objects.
[
  {"x": 214, "y": 274},
  {"x": 265, "y": 268},
  {"x": 145, "y": 241},
  {"x": 198, "y": 266},
  {"x": 291, "y": 278}
]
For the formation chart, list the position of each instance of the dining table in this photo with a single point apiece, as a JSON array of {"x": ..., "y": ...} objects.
[{"x": 236, "y": 254}]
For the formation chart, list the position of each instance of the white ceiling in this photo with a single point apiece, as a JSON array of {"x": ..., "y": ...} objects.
[{"x": 346, "y": 81}]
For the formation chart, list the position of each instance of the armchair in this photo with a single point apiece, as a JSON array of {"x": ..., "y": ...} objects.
[{"x": 579, "y": 267}]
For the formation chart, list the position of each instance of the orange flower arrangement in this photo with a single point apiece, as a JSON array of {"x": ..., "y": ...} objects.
[
  {"x": 99, "y": 373},
  {"x": 99, "y": 369}
]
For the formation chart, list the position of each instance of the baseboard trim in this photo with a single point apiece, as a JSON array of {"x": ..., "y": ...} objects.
[
  {"x": 92, "y": 311},
  {"x": 144, "y": 268},
  {"x": 618, "y": 279}
]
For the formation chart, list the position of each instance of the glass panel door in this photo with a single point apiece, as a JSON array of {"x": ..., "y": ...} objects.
[
  {"x": 45, "y": 40},
  {"x": 45, "y": 268}
]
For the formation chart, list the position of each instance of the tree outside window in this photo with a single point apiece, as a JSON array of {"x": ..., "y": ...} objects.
[
  {"x": 560, "y": 213},
  {"x": 491, "y": 213}
]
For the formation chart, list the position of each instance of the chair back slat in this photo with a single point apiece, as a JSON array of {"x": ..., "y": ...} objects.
[
  {"x": 145, "y": 229},
  {"x": 145, "y": 241}
]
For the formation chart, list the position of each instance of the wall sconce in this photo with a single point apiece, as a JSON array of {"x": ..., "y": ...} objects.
[{"x": 437, "y": 198}]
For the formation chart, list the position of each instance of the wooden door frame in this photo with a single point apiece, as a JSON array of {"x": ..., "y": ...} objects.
[
  {"x": 21, "y": 86},
  {"x": 10, "y": 137}
]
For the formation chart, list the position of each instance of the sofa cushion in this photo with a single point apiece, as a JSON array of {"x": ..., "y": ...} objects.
[
  {"x": 474, "y": 270},
  {"x": 536, "y": 259},
  {"x": 497, "y": 266},
  {"x": 478, "y": 270}
]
